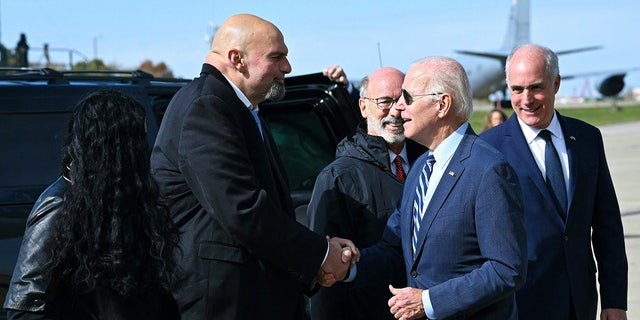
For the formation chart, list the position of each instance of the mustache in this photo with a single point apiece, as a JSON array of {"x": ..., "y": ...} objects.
[{"x": 392, "y": 121}]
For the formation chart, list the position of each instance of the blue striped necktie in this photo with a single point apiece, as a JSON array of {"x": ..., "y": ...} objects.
[{"x": 419, "y": 203}]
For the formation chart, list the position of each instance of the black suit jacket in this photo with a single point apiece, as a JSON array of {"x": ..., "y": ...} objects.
[{"x": 243, "y": 256}]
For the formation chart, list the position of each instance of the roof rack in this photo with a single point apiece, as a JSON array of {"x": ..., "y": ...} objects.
[{"x": 63, "y": 77}]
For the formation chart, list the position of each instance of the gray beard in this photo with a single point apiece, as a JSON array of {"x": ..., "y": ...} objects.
[
  {"x": 378, "y": 127},
  {"x": 276, "y": 92}
]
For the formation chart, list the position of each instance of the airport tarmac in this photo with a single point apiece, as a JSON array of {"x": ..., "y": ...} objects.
[{"x": 622, "y": 147}]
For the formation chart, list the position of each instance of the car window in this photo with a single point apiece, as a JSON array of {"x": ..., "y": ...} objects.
[{"x": 304, "y": 143}]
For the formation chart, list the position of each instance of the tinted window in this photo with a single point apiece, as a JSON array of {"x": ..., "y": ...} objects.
[{"x": 304, "y": 143}]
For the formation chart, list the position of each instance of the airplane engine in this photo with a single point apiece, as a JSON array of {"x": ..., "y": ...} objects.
[{"x": 611, "y": 85}]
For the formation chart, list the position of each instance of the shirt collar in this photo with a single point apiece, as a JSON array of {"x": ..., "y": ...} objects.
[
  {"x": 241, "y": 95},
  {"x": 445, "y": 150},
  {"x": 403, "y": 154},
  {"x": 530, "y": 133}
]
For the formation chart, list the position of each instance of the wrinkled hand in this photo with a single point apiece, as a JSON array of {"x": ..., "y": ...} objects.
[
  {"x": 613, "y": 314},
  {"x": 335, "y": 73},
  {"x": 343, "y": 254},
  {"x": 406, "y": 303}
]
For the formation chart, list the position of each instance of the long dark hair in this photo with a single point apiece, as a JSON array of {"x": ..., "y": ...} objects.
[{"x": 111, "y": 231}]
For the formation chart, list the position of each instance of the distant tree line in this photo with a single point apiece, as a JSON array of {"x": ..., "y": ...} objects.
[{"x": 19, "y": 58}]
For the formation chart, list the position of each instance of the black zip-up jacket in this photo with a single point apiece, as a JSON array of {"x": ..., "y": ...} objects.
[{"x": 352, "y": 198}]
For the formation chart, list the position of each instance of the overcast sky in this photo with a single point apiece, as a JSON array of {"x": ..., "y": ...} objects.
[{"x": 355, "y": 34}]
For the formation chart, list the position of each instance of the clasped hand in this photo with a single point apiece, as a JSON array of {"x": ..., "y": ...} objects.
[{"x": 343, "y": 254}]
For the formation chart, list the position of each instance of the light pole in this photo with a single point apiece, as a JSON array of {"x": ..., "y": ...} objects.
[{"x": 95, "y": 47}]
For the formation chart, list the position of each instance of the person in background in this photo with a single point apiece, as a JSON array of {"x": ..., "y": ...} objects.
[
  {"x": 97, "y": 245},
  {"x": 458, "y": 230},
  {"x": 493, "y": 118},
  {"x": 354, "y": 195},
  {"x": 243, "y": 254},
  {"x": 570, "y": 219},
  {"x": 22, "y": 51}
]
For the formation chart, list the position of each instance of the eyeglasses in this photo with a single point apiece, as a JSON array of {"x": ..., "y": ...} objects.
[
  {"x": 410, "y": 98},
  {"x": 383, "y": 103}
]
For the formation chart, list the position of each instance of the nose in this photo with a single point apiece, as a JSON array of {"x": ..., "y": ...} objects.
[
  {"x": 527, "y": 96},
  {"x": 286, "y": 66},
  {"x": 400, "y": 105},
  {"x": 394, "y": 111}
]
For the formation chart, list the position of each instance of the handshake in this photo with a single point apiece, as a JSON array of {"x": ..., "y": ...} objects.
[{"x": 342, "y": 255}]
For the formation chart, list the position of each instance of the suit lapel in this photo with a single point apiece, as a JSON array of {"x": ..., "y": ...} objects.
[
  {"x": 278, "y": 173},
  {"x": 572, "y": 152},
  {"x": 450, "y": 177},
  {"x": 514, "y": 138}
]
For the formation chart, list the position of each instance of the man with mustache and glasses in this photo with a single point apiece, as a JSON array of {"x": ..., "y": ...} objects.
[
  {"x": 243, "y": 255},
  {"x": 355, "y": 194}
]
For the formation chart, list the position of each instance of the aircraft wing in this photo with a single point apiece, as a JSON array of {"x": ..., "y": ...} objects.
[
  {"x": 599, "y": 73},
  {"x": 493, "y": 55},
  {"x": 610, "y": 83},
  {"x": 561, "y": 52}
]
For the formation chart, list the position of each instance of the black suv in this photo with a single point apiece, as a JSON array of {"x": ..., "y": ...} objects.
[{"x": 35, "y": 105}]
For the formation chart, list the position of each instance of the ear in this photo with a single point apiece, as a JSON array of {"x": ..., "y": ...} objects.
[
  {"x": 236, "y": 59},
  {"x": 444, "y": 105},
  {"x": 363, "y": 107},
  {"x": 556, "y": 84}
]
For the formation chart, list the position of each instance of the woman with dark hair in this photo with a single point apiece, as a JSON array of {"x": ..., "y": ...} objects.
[
  {"x": 493, "y": 118},
  {"x": 97, "y": 244}
]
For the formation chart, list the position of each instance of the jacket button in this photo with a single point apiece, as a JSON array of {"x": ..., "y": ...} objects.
[
  {"x": 565, "y": 238},
  {"x": 38, "y": 303},
  {"x": 414, "y": 273}
]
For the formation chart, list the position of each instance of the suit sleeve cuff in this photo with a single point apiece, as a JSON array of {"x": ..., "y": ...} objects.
[{"x": 428, "y": 308}]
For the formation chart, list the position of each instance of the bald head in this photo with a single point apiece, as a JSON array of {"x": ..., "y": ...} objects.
[
  {"x": 251, "y": 53},
  {"x": 241, "y": 31},
  {"x": 534, "y": 54},
  {"x": 383, "y": 77}
]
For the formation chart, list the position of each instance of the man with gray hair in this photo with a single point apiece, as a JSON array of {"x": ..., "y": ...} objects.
[
  {"x": 458, "y": 229},
  {"x": 570, "y": 203},
  {"x": 355, "y": 194}
]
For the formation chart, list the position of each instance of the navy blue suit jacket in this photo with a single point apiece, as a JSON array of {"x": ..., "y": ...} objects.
[
  {"x": 472, "y": 246},
  {"x": 561, "y": 262}
]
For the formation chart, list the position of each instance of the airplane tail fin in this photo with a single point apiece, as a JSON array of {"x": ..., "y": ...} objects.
[
  {"x": 517, "y": 33},
  {"x": 518, "y": 26}
]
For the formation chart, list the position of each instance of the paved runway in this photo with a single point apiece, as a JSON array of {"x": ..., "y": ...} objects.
[{"x": 622, "y": 145}]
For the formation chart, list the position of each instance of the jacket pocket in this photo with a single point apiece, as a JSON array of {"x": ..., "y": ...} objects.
[{"x": 221, "y": 251}]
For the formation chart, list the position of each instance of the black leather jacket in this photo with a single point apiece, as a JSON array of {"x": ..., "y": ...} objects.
[{"x": 28, "y": 283}]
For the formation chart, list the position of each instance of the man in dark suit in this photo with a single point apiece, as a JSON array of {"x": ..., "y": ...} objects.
[
  {"x": 563, "y": 224},
  {"x": 458, "y": 229},
  {"x": 243, "y": 254}
]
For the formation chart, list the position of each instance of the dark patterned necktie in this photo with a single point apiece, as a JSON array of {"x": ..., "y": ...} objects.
[
  {"x": 554, "y": 175},
  {"x": 399, "y": 170},
  {"x": 419, "y": 203}
]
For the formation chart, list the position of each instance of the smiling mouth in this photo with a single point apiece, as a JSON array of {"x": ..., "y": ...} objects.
[{"x": 531, "y": 110}]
